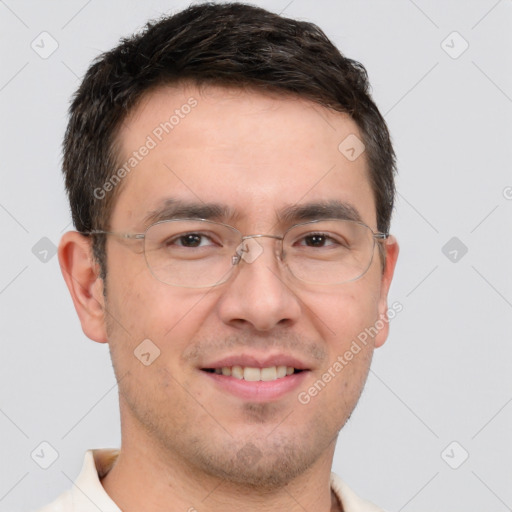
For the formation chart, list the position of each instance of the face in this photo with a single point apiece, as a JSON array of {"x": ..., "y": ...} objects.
[{"x": 256, "y": 157}]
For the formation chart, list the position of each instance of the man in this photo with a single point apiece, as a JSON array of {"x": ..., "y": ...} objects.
[{"x": 231, "y": 183}]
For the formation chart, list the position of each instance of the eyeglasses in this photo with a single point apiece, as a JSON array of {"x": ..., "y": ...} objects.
[{"x": 198, "y": 253}]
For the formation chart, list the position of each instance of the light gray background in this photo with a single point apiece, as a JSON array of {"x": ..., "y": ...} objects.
[{"x": 444, "y": 374}]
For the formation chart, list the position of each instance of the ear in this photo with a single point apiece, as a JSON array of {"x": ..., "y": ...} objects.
[
  {"x": 81, "y": 273},
  {"x": 391, "y": 248}
]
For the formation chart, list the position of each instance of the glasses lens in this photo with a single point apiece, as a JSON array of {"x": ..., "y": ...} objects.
[
  {"x": 329, "y": 252},
  {"x": 190, "y": 253}
]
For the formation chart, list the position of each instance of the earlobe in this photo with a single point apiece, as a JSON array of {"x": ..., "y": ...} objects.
[
  {"x": 81, "y": 274},
  {"x": 392, "y": 250}
]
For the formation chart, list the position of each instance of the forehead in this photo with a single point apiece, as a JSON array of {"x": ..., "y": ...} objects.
[{"x": 256, "y": 154}]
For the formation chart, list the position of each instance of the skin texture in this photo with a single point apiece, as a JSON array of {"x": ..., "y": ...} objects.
[{"x": 185, "y": 442}]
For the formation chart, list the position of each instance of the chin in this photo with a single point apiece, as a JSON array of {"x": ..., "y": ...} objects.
[{"x": 264, "y": 463}]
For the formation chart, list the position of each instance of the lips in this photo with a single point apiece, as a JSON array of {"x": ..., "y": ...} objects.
[
  {"x": 256, "y": 390},
  {"x": 253, "y": 369}
]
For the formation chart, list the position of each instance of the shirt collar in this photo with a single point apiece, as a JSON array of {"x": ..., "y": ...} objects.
[{"x": 88, "y": 494}]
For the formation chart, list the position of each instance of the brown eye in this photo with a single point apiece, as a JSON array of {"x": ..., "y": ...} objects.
[
  {"x": 315, "y": 240},
  {"x": 190, "y": 240}
]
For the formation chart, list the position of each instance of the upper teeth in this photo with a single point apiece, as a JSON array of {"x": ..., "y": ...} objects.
[{"x": 254, "y": 374}]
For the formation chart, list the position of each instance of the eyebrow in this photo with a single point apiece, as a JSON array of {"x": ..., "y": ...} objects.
[
  {"x": 172, "y": 208},
  {"x": 319, "y": 210},
  {"x": 176, "y": 209}
]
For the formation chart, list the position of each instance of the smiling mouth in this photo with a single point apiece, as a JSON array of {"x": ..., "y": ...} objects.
[{"x": 253, "y": 374}]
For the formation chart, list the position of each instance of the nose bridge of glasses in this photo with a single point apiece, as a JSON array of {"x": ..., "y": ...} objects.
[{"x": 249, "y": 249}]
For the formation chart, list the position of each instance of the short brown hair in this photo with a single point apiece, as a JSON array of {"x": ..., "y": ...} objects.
[{"x": 231, "y": 44}]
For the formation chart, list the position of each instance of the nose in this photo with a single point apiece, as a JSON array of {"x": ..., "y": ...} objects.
[{"x": 259, "y": 294}]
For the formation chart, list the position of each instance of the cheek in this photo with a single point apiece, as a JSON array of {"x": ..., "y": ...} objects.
[
  {"x": 143, "y": 308},
  {"x": 343, "y": 315}
]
